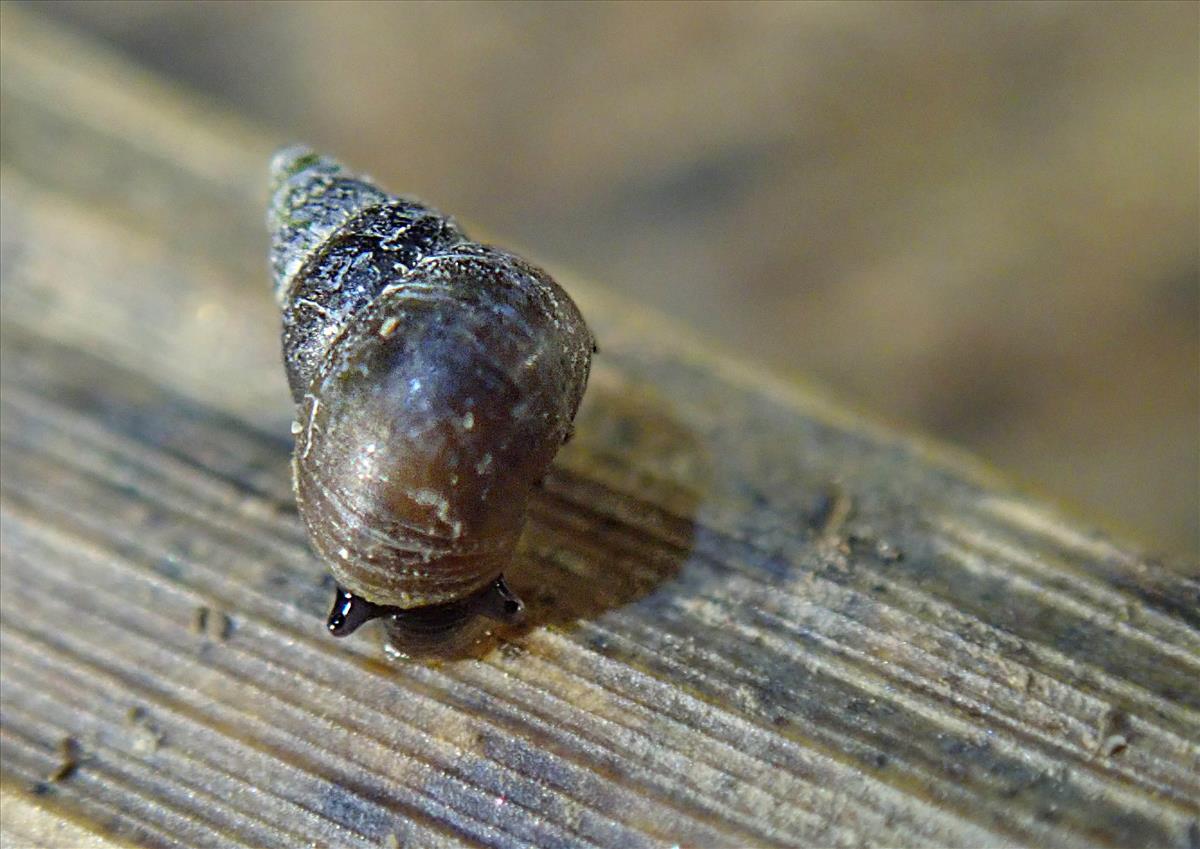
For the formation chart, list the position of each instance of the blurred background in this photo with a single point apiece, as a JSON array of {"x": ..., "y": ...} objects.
[{"x": 975, "y": 220}]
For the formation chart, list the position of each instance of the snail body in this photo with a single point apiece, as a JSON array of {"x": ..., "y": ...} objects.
[{"x": 434, "y": 379}]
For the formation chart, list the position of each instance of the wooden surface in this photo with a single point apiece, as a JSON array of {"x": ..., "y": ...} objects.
[
  {"x": 756, "y": 619},
  {"x": 979, "y": 221}
]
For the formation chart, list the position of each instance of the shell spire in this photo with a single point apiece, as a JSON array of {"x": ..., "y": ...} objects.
[
  {"x": 336, "y": 241},
  {"x": 311, "y": 197}
]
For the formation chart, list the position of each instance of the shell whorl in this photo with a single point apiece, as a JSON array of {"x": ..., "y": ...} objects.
[
  {"x": 311, "y": 197},
  {"x": 336, "y": 242},
  {"x": 434, "y": 377}
]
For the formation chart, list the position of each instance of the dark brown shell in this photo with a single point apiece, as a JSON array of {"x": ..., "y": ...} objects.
[{"x": 435, "y": 379}]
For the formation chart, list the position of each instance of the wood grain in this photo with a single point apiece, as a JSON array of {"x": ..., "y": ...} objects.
[{"x": 757, "y": 620}]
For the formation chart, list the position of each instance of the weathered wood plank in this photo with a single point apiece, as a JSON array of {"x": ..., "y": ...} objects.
[{"x": 756, "y": 620}]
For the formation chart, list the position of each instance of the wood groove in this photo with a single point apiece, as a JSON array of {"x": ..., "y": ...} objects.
[
  {"x": 730, "y": 672},
  {"x": 732, "y": 573},
  {"x": 222, "y": 820},
  {"x": 26, "y": 761},
  {"x": 860, "y": 632},
  {"x": 959, "y": 541},
  {"x": 881, "y": 683},
  {"x": 648, "y": 712},
  {"x": 184, "y": 828},
  {"x": 1067, "y": 577},
  {"x": 49, "y": 506},
  {"x": 68, "y": 684},
  {"x": 920, "y": 781},
  {"x": 553, "y": 711},
  {"x": 731, "y": 563},
  {"x": 356, "y": 780},
  {"x": 354, "y": 731},
  {"x": 64, "y": 657},
  {"x": 101, "y": 592},
  {"x": 870, "y": 808},
  {"x": 235, "y": 530},
  {"x": 704, "y": 715},
  {"x": 924, "y": 697},
  {"x": 931, "y": 693},
  {"x": 159, "y": 500},
  {"x": 726, "y": 564},
  {"x": 728, "y": 561}
]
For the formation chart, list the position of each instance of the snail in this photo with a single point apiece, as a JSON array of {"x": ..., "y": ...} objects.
[{"x": 434, "y": 377}]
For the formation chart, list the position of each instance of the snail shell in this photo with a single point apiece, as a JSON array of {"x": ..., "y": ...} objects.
[{"x": 434, "y": 378}]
